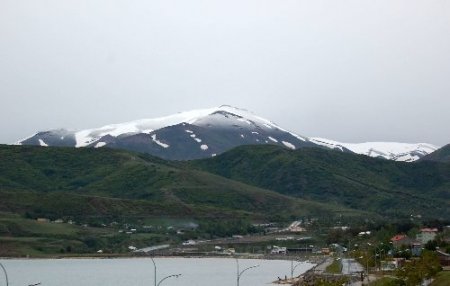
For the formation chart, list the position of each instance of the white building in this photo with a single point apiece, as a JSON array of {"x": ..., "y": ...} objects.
[{"x": 426, "y": 234}]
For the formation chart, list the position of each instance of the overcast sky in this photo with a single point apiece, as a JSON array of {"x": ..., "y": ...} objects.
[{"x": 352, "y": 71}]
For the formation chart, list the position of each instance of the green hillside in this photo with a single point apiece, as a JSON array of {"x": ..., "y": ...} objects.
[
  {"x": 440, "y": 155},
  {"x": 356, "y": 181},
  {"x": 106, "y": 191},
  {"x": 104, "y": 182}
]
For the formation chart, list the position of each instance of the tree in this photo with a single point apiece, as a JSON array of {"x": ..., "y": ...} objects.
[{"x": 416, "y": 270}]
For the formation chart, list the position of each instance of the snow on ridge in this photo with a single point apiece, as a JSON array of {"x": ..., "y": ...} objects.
[
  {"x": 26, "y": 138},
  {"x": 89, "y": 136},
  {"x": 164, "y": 145},
  {"x": 389, "y": 150}
]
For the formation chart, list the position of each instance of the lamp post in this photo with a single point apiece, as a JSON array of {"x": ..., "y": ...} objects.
[
  {"x": 239, "y": 274},
  {"x": 174, "y": 275},
  {"x": 6, "y": 274},
  {"x": 378, "y": 251},
  {"x": 154, "y": 274}
]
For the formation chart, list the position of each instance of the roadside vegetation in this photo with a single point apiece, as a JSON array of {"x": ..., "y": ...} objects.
[{"x": 334, "y": 267}]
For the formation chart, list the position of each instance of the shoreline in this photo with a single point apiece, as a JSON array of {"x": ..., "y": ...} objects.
[{"x": 312, "y": 260}]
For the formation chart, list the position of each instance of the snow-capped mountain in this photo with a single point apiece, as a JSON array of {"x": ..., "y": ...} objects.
[
  {"x": 207, "y": 132},
  {"x": 182, "y": 136},
  {"x": 389, "y": 150}
]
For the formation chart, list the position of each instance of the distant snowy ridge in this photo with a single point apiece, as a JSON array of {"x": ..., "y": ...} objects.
[{"x": 405, "y": 152}]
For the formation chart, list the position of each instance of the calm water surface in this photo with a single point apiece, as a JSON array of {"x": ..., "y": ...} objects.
[{"x": 139, "y": 271}]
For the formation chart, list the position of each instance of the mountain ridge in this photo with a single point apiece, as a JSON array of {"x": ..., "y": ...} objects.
[
  {"x": 440, "y": 155},
  {"x": 204, "y": 133}
]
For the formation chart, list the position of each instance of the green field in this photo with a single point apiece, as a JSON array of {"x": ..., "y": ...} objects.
[{"x": 442, "y": 279}]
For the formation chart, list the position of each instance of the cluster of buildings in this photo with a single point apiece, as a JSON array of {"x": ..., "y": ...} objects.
[{"x": 415, "y": 245}]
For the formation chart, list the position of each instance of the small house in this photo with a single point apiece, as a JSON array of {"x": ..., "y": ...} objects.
[{"x": 400, "y": 240}]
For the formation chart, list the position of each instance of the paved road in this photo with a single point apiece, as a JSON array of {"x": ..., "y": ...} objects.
[
  {"x": 351, "y": 266},
  {"x": 320, "y": 268}
]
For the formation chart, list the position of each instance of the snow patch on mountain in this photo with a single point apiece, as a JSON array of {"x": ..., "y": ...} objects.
[
  {"x": 42, "y": 143},
  {"x": 99, "y": 144},
  {"x": 272, "y": 139},
  {"x": 164, "y": 145},
  {"x": 289, "y": 145}
]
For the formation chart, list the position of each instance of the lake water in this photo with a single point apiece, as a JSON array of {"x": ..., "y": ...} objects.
[{"x": 139, "y": 271}]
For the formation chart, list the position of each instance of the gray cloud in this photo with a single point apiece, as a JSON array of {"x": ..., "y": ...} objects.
[{"x": 352, "y": 71}]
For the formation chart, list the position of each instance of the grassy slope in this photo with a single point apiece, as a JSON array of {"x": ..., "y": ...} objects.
[
  {"x": 104, "y": 182},
  {"x": 356, "y": 181},
  {"x": 440, "y": 155},
  {"x": 442, "y": 279}
]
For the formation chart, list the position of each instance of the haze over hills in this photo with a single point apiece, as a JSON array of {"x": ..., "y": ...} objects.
[{"x": 207, "y": 132}]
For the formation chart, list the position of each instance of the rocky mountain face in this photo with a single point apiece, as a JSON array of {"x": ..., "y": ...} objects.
[{"x": 207, "y": 132}]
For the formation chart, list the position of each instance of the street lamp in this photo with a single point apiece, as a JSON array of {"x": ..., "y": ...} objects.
[
  {"x": 6, "y": 274},
  {"x": 174, "y": 275},
  {"x": 378, "y": 250},
  {"x": 154, "y": 275},
  {"x": 238, "y": 274}
]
